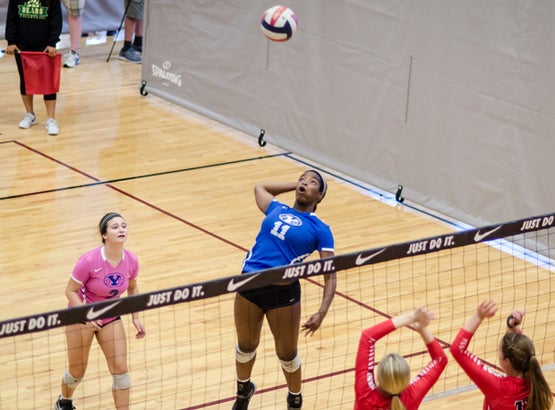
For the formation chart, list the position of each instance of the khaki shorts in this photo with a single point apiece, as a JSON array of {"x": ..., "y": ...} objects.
[
  {"x": 136, "y": 9},
  {"x": 74, "y": 8}
]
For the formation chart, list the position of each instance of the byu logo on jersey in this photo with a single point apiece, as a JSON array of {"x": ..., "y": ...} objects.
[
  {"x": 114, "y": 280},
  {"x": 290, "y": 219}
]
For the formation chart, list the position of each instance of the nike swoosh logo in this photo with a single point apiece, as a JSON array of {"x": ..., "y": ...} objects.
[
  {"x": 479, "y": 236},
  {"x": 363, "y": 259},
  {"x": 92, "y": 314},
  {"x": 231, "y": 286},
  {"x": 97, "y": 269}
]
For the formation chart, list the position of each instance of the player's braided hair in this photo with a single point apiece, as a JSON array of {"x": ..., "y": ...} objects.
[{"x": 519, "y": 349}]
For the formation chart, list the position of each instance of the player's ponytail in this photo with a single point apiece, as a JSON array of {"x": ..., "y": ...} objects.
[
  {"x": 519, "y": 349},
  {"x": 393, "y": 376},
  {"x": 540, "y": 397},
  {"x": 396, "y": 403}
]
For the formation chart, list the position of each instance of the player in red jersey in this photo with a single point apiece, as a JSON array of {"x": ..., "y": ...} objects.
[
  {"x": 101, "y": 274},
  {"x": 522, "y": 386},
  {"x": 391, "y": 387}
]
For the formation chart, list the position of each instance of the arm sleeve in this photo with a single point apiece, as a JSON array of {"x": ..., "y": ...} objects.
[
  {"x": 81, "y": 271},
  {"x": 275, "y": 203},
  {"x": 365, "y": 360},
  {"x": 486, "y": 380},
  {"x": 326, "y": 241},
  {"x": 134, "y": 266},
  {"x": 425, "y": 380}
]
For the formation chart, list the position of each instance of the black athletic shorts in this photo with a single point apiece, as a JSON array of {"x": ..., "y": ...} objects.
[{"x": 274, "y": 296}]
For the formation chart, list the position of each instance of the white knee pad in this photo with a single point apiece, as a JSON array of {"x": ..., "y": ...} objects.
[
  {"x": 242, "y": 357},
  {"x": 121, "y": 381},
  {"x": 71, "y": 381},
  {"x": 291, "y": 366}
]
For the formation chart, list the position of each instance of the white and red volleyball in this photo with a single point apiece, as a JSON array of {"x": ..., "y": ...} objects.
[{"x": 278, "y": 23}]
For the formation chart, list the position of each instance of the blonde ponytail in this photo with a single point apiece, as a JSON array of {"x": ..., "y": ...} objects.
[
  {"x": 396, "y": 403},
  {"x": 393, "y": 376}
]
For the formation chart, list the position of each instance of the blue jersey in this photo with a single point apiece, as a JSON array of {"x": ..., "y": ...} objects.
[{"x": 286, "y": 237}]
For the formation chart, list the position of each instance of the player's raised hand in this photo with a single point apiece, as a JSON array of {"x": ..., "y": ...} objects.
[
  {"x": 487, "y": 309},
  {"x": 422, "y": 317}
]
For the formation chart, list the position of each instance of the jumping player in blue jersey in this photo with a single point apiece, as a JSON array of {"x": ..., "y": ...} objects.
[{"x": 287, "y": 236}]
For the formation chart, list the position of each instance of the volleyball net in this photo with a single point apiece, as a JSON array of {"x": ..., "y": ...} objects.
[{"x": 187, "y": 359}]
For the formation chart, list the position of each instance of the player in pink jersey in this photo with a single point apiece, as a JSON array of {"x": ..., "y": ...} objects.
[
  {"x": 391, "y": 386},
  {"x": 522, "y": 386},
  {"x": 101, "y": 274}
]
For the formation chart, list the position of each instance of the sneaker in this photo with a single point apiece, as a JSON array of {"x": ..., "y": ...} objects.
[
  {"x": 130, "y": 55},
  {"x": 244, "y": 395},
  {"x": 64, "y": 404},
  {"x": 29, "y": 119},
  {"x": 71, "y": 59},
  {"x": 52, "y": 127},
  {"x": 138, "y": 49},
  {"x": 294, "y": 401}
]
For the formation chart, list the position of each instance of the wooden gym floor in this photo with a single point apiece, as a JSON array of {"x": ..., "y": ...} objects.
[{"x": 184, "y": 184}]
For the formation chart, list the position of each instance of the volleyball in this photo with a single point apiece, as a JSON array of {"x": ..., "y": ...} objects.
[{"x": 279, "y": 23}]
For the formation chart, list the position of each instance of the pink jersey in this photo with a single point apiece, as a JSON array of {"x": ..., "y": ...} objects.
[
  {"x": 100, "y": 280},
  {"x": 501, "y": 392},
  {"x": 367, "y": 394}
]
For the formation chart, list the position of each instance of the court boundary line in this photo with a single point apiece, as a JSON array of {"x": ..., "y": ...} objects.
[
  {"x": 111, "y": 181},
  {"x": 352, "y": 182}
]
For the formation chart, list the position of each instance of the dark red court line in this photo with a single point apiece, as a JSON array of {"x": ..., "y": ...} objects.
[
  {"x": 171, "y": 215},
  {"x": 105, "y": 182},
  {"x": 108, "y": 184}
]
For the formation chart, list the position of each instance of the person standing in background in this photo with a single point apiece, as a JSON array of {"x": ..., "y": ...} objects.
[
  {"x": 133, "y": 32},
  {"x": 74, "y": 11},
  {"x": 34, "y": 25}
]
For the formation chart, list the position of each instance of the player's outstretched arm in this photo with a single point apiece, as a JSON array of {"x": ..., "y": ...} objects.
[
  {"x": 133, "y": 289},
  {"x": 330, "y": 284},
  {"x": 486, "y": 309},
  {"x": 420, "y": 317}
]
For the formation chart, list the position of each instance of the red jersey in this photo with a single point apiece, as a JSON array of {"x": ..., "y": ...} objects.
[
  {"x": 501, "y": 392},
  {"x": 367, "y": 394}
]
